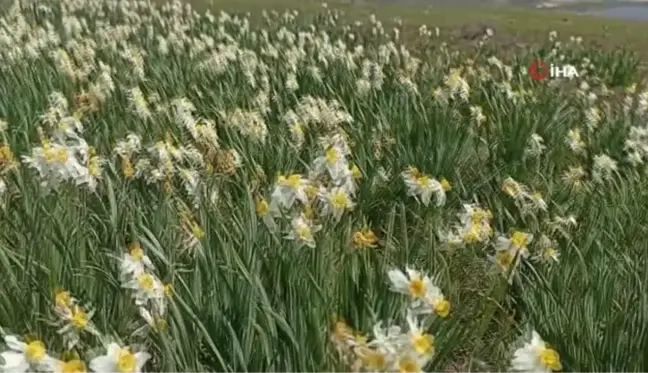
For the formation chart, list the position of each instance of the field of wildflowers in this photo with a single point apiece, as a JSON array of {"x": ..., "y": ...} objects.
[{"x": 184, "y": 191}]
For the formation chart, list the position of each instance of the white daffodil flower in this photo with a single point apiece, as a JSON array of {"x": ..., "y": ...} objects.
[
  {"x": 303, "y": 231},
  {"x": 535, "y": 357},
  {"x": 119, "y": 359},
  {"x": 414, "y": 284},
  {"x": 23, "y": 357},
  {"x": 420, "y": 341},
  {"x": 147, "y": 287},
  {"x": 334, "y": 161},
  {"x": 287, "y": 190},
  {"x": 336, "y": 202},
  {"x": 134, "y": 262},
  {"x": 76, "y": 320},
  {"x": 422, "y": 188}
]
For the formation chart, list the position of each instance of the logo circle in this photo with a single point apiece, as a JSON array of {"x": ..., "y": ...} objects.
[{"x": 539, "y": 70}]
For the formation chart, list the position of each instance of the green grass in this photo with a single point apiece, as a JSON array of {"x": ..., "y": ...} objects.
[
  {"x": 512, "y": 24},
  {"x": 245, "y": 298}
]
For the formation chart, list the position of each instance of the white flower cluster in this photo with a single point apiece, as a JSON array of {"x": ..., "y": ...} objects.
[
  {"x": 64, "y": 156},
  {"x": 137, "y": 273},
  {"x": 393, "y": 348}
]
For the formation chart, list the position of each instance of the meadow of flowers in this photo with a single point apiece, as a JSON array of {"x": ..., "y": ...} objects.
[{"x": 184, "y": 191}]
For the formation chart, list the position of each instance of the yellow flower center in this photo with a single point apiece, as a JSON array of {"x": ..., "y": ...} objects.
[
  {"x": 408, "y": 365},
  {"x": 136, "y": 251},
  {"x": 73, "y": 366},
  {"x": 355, "y": 172},
  {"x": 197, "y": 231},
  {"x": 472, "y": 235},
  {"x": 360, "y": 339},
  {"x": 294, "y": 181},
  {"x": 126, "y": 361},
  {"x": 478, "y": 216},
  {"x": 423, "y": 343},
  {"x": 304, "y": 232},
  {"x": 441, "y": 307},
  {"x": 504, "y": 258},
  {"x": 519, "y": 240},
  {"x": 550, "y": 359},
  {"x": 445, "y": 184},
  {"x": 6, "y": 155},
  {"x": 168, "y": 290},
  {"x": 62, "y": 299},
  {"x": 417, "y": 288},
  {"x": 332, "y": 156},
  {"x": 574, "y": 135},
  {"x": 146, "y": 282},
  {"x": 297, "y": 129},
  {"x": 35, "y": 350},
  {"x": 549, "y": 253},
  {"x": 60, "y": 155},
  {"x": 93, "y": 166},
  {"x": 262, "y": 207},
  {"x": 79, "y": 317},
  {"x": 340, "y": 200},
  {"x": 423, "y": 181}
]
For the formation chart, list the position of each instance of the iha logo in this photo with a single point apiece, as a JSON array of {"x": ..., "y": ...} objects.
[{"x": 540, "y": 70}]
